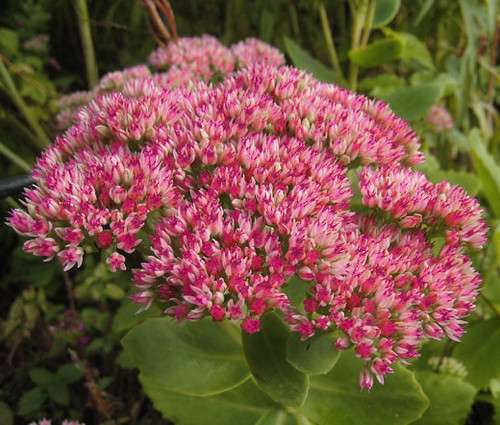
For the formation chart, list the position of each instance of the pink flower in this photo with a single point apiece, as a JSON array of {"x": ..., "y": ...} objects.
[
  {"x": 241, "y": 185},
  {"x": 440, "y": 119}
]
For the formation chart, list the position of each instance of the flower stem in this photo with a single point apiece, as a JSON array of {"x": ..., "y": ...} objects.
[
  {"x": 329, "y": 42},
  {"x": 360, "y": 9},
  {"x": 82, "y": 14},
  {"x": 42, "y": 139},
  {"x": 16, "y": 159}
]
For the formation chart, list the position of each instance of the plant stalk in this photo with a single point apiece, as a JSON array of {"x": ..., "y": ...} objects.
[
  {"x": 329, "y": 42},
  {"x": 16, "y": 159},
  {"x": 82, "y": 14},
  {"x": 42, "y": 140},
  {"x": 359, "y": 11}
]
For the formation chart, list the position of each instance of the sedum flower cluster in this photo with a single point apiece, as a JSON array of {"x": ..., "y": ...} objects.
[
  {"x": 229, "y": 190},
  {"x": 190, "y": 59}
]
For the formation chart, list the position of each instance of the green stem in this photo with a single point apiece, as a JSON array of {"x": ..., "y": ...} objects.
[
  {"x": 359, "y": 10},
  {"x": 82, "y": 14},
  {"x": 12, "y": 202},
  {"x": 368, "y": 24},
  {"x": 42, "y": 140},
  {"x": 16, "y": 159},
  {"x": 329, "y": 42}
]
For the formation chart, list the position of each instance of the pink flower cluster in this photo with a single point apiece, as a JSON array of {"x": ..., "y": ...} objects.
[
  {"x": 440, "y": 119},
  {"x": 49, "y": 422},
  {"x": 188, "y": 60},
  {"x": 244, "y": 184}
]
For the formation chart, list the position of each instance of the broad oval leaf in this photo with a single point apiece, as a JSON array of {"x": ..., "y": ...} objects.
[
  {"x": 314, "y": 356},
  {"x": 195, "y": 358},
  {"x": 413, "y": 102},
  {"x": 281, "y": 417},
  {"x": 243, "y": 405},
  {"x": 377, "y": 53},
  {"x": 451, "y": 398},
  {"x": 385, "y": 11},
  {"x": 335, "y": 398},
  {"x": 479, "y": 351},
  {"x": 303, "y": 60},
  {"x": 487, "y": 170},
  {"x": 266, "y": 355}
]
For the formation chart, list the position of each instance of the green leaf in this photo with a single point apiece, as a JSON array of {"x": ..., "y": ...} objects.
[
  {"x": 385, "y": 11},
  {"x": 413, "y": 102},
  {"x": 414, "y": 49},
  {"x": 314, "y": 356},
  {"x": 69, "y": 373},
  {"x": 296, "y": 290},
  {"x": 451, "y": 399},
  {"x": 496, "y": 242},
  {"x": 58, "y": 392},
  {"x": 492, "y": 288},
  {"x": 6, "y": 415},
  {"x": 114, "y": 291},
  {"x": 303, "y": 60},
  {"x": 335, "y": 398},
  {"x": 42, "y": 376},
  {"x": 379, "y": 85},
  {"x": 243, "y": 405},
  {"x": 487, "y": 170},
  {"x": 127, "y": 316},
  {"x": 9, "y": 41},
  {"x": 195, "y": 358},
  {"x": 280, "y": 417},
  {"x": 266, "y": 355},
  {"x": 377, "y": 53},
  {"x": 31, "y": 401},
  {"x": 436, "y": 174},
  {"x": 266, "y": 25},
  {"x": 479, "y": 351}
]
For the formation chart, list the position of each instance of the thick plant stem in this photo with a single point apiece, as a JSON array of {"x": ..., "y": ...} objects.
[
  {"x": 360, "y": 10},
  {"x": 329, "y": 42},
  {"x": 82, "y": 15},
  {"x": 42, "y": 139},
  {"x": 16, "y": 159}
]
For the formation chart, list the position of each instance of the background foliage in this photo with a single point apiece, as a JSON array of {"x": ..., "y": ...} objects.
[{"x": 60, "y": 332}]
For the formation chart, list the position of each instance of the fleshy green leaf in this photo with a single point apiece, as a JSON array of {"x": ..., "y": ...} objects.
[
  {"x": 487, "y": 170},
  {"x": 280, "y": 417},
  {"x": 414, "y": 49},
  {"x": 296, "y": 290},
  {"x": 479, "y": 351},
  {"x": 69, "y": 373},
  {"x": 314, "y": 356},
  {"x": 492, "y": 288},
  {"x": 41, "y": 376},
  {"x": 9, "y": 41},
  {"x": 377, "y": 53},
  {"x": 335, "y": 398},
  {"x": 303, "y": 60},
  {"x": 126, "y": 316},
  {"x": 31, "y": 401},
  {"x": 451, "y": 398},
  {"x": 195, "y": 358},
  {"x": 496, "y": 242},
  {"x": 385, "y": 11},
  {"x": 413, "y": 102},
  {"x": 58, "y": 392},
  {"x": 266, "y": 355},
  {"x": 243, "y": 405},
  {"x": 6, "y": 415},
  {"x": 266, "y": 25},
  {"x": 436, "y": 174}
]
